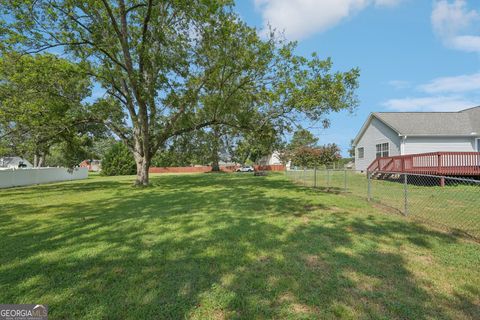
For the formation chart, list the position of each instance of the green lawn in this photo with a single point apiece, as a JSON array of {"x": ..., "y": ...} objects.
[{"x": 226, "y": 246}]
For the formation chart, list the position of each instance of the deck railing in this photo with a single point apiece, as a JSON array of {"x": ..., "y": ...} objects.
[{"x": 440, "y": 163}]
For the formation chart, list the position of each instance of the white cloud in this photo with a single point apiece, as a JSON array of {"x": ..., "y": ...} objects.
[
  {"x": 463, "y": 83},
  {"x": 454, "y": 24},
  {"x": 442, "y": 103},
  {"x": 466, "y": 43},
  {"x": 444, "y": 94},
  {"x": 302, "y": 18}
]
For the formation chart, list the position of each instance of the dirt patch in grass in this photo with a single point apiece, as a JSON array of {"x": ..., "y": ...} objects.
[
  {"x": 301, "y": 308},
  {"x": 363, "y": 283},
  {"x": 305, "y": 220},
  {"x": 219, "y": 315},
  {"x": 426, "y": 260},
  {"x": 286, "y": 297},
  {"x": 314, "y": 262},
  {"x": 263, "y": 259}
]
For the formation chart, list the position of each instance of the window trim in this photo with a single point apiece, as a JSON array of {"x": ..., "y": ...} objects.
[
  {"x": 363, "y": 153},
  {"x": 383, "y": 152}
]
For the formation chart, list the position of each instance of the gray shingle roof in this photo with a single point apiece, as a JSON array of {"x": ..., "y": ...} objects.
[
  {"x": 6, "y": 162},
  {"x": 464, "y": 122}
]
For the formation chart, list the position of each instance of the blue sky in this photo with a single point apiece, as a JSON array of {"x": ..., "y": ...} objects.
[{"x": 413, "y": 55}]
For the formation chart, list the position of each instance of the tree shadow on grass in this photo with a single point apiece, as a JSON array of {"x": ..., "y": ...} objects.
[{"x": 209, "y": 246}]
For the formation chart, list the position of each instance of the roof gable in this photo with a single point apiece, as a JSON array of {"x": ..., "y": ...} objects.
[
  {"x": 462, "y": 123},
  {"x": 367, "y": 124}
]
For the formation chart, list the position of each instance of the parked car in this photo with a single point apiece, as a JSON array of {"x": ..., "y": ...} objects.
[{"x": 246, "y": 169}]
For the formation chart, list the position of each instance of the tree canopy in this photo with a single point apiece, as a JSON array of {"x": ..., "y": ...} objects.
[
  {"x": 303, "y": 150},
  {"x": 317, "y": 156},
  {"x": 302, "y": 138},
  {"x": 41, "y": 104}
]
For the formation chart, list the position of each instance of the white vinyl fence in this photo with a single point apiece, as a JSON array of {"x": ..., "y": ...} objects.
[{"x": 28, "y": 176}]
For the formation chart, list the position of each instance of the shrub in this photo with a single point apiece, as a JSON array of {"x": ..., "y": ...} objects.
[{"x": 118, "y": 161}]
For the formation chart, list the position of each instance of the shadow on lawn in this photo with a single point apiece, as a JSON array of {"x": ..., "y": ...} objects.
[{"x": 213, "y": 247}]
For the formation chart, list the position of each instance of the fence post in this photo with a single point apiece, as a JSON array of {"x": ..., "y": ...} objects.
[
  {"x": 315, "y": 177},
  {"x": 369, "y": 188},
  {"x": 328, "y": 179},
  {"x": 405, "y": 194},
  {"x": 304, "y": 177},
  {"x": 345, "y": 179}
]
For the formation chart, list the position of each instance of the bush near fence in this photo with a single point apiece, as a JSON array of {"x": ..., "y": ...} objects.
[
  {"x": 204, "y": 169},
  {"x": 455, "y": 206}
]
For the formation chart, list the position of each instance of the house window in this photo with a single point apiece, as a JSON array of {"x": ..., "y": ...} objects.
[
  {"x": 478, "y": 144},
  {"x": 360, "y": 153},
  {"x": 382, "y": 150}
]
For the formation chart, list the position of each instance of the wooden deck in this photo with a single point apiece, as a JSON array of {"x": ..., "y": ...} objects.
[{"x": 435, "y": 163}]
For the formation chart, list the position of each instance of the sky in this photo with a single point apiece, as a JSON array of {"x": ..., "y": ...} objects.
[{"x": 413, "y": 55}]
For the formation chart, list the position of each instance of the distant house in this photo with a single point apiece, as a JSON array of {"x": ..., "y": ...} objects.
[
  {"x": 92, "y": 165},
  {"x": 349, "y": 165},
  {"x": 387, "y": 134},
  {"x": 271, "y": 160},
  {"x": 14, "y": 162}
]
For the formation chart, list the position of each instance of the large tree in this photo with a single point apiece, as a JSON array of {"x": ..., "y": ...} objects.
[{"x": 175, "y": 66}]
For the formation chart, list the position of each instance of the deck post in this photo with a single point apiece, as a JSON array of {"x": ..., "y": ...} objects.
[
  {"x": 405, "y": 194},
  {"x": 439, "y": 163},
  {"x": 442, "y": 181}
]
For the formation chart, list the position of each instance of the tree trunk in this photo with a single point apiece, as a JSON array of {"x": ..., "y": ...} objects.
[
  {"x": 41, "y": 159},
  {"x": 38, "y": 159},
  {"x": 215, "y": 158},
  {"x": 143, "y": 164},
  {"x": 142, "y": 151},
  {"x": 215, "y": 149},
  {"x": 35, "y": 160},
  {"x": 215, "y": 165}
]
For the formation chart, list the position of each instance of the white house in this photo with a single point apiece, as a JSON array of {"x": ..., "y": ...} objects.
[
  {"x": 13, "y": 163},
  {"x": 387, "y": 134},
  {"x": 271, "y": 160}
]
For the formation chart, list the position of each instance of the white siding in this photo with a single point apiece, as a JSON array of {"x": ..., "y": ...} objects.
[
  {"x": 272, "y": 159},
  {"x": 415, "y": 145},
  {"x": 377, "y": 132}
]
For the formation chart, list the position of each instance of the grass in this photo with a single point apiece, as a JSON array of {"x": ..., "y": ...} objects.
[
  {"x": 455, "y": 206},
  {"x": 225, "y": 246}
]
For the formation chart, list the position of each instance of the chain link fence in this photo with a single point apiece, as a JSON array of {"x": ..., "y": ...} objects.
[{"x": 448, "y": 202}]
